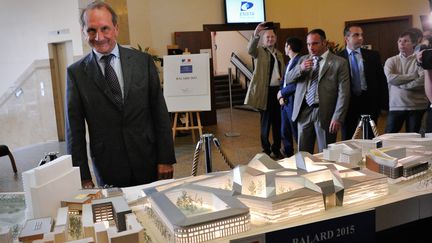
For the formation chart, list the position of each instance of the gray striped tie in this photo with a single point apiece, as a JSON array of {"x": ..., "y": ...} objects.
[{"x": 310, "y": 95}]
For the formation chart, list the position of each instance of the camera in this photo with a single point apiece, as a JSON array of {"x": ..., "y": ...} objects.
[
  {"x": 427, "y": 59},
  {"x": 269, "y": 25}
]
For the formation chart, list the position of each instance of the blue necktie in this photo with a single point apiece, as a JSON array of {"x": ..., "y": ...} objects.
[
  {"x": 310, "y": 95},
  {"x": 112, "y": 80},
  {"x": 355, "y": 74}
]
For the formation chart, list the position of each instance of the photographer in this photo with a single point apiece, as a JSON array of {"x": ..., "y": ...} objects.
[{"x": 424, "y": 59}]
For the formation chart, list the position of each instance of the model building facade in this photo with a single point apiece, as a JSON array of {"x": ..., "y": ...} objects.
[
  {"x": 47, "y": 185},
  {"x": 396, "y": 162},
  {"x": 270, "y": 191}
]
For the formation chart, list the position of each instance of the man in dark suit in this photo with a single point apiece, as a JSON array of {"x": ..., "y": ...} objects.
[
  {"x": 369, "y": 91},
  {"x": 322, "y": 93},
  {"x": 117, "y": 92},
  {"x": 286, "y": 97}
]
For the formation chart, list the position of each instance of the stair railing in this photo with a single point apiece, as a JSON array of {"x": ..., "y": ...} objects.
[{"x": 241, "y": 68}]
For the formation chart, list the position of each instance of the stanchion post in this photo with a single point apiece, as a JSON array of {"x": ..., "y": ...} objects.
[
  {"x": 231, "y": 133},
  {"x": 208, "y": 139}
]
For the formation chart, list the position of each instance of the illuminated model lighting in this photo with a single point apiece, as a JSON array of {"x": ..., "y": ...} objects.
[
  {"x": 112, "y": 208},
  {"x": 193, "y": 213},
  {"x": 273, "y": 191},
  {"x": 80, "y": 198}
]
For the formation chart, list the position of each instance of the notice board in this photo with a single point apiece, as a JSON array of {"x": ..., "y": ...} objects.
[{"x": 187, "y": 82}]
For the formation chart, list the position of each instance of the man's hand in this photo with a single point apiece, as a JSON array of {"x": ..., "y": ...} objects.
[
  {"x": 334, "y": 126},
  {"x": 86, "y": 184},
  {"x": 259, "y": 28},
  {"x": 306, "y": 65},
  {"x": 280, "y": 98},
  {"x": 165, "y": 171}
]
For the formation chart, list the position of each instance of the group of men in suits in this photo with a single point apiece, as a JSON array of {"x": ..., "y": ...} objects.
[
  {"x": 319, "y": 93},
  {"x": 346, "y": 88}
]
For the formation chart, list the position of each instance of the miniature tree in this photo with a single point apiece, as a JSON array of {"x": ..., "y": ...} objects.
[
  {"x": 252, "y": 188},
  {"x": 75, "y": 226}
]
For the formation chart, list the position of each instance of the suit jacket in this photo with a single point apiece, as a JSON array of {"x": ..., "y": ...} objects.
[
  {"x": 333, "y": 89},
  {"x": 288, "y": 91},
  {"x": 377, "y": 89},
  {"x": 256, "y": 95},
  {"x": 135, "y": 136}
]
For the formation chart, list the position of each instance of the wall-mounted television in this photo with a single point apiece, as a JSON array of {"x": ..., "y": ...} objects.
[{"x": 244, "y": 11}]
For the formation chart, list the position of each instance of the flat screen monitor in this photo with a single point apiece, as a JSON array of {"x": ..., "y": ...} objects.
[{"x": 244, "y": 11}]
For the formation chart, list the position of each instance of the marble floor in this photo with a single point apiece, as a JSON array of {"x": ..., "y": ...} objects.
[{"x": 238, "y": 150}]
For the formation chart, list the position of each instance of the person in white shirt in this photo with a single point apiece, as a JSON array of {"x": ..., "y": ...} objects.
[{"x": 407, "y": 98}]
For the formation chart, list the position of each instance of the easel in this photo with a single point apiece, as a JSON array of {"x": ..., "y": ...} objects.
[{"x": 189, "y": 123}]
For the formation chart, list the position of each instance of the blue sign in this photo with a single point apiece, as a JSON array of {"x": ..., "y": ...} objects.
[{"x": 186, "y": 69}]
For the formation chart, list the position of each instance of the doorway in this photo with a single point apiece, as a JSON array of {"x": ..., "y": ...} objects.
[{"x": 60, "y": 56}]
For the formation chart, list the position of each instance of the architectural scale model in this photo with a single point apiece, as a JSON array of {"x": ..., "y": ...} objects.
[
  {"x": 350, "y": 151},
  {"x": 398, "y": 161},
  {"x": 45, "y": 186},
  {"x": 406, "y": 139},
  {"x": 5, "y": 234},
  {"x": 111, "y": 220},
  {"x": 35, "y": 229},
  {"x": 81, "y": 197},
  {"x": 202, "y": 208},
  {"x": 107, "y": 220},
  {"x": 199, "y": 210},
  {"x": 194, "y": 213}
]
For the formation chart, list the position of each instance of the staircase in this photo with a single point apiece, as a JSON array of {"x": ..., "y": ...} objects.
[{"x": 221, "y": 85}]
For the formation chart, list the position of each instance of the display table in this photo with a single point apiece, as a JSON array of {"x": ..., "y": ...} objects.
[{"x": 406, "y": 202}]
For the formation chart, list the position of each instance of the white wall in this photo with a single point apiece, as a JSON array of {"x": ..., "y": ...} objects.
[
  {"x": 152, "y": 23},
  {"x": 228, "y": 42},
  {"x": 27, "y": 28}
]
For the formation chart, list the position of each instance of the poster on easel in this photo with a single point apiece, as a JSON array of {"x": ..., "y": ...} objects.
[{"x": 187, "y": 82}]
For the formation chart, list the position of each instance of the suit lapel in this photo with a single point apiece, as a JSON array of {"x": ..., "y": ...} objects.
[
  {"x": 327, "y": 64},
  {"x": 125, "y": 60},
  {"x": 94, "y": 73}
]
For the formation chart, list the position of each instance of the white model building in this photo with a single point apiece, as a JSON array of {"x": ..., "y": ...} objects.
[
  {"x": 273, "y": 191},
  {"x": 344, "y": 153},
  {"x": 34, "y": 229},
  {"x": 397, "y": 161},
  {"x": 111, "y": 220},
  {"x": 406, "y": 139},
  {"x": 193, "y": 213},
  {"x": 350, "y": 151},
  {"x": 5, "y": 234},
  {"x": 45, "y": 186}
]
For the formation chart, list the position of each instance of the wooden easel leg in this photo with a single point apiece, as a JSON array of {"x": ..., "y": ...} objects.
[
  {"x": 192, "y": 125},
  {"x": 174, "y": 127},
  {"x": 199, "y": 123}
]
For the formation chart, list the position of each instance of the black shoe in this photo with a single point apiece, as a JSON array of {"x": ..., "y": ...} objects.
[
  {"x": 277, "y": 155},
  {"x": 268, "y": 152}
]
